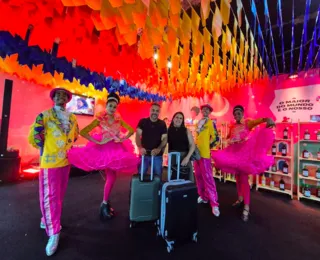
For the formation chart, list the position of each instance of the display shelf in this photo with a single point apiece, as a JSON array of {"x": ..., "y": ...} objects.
[
  {"x": 280, "y": 173},
  {"x": 278, "y": 158},
  {"x": 282, "y": 140},
  {"x": 309, "y": 178},
  {"x": 281, "y": 156},
  {"x": 312, "y": 147},
  {"x": 286, "y": 191},
  {"x": 309, "y": 159},
  {"x": 312, "y": 197},
  {"x": 309, "y": 141}
]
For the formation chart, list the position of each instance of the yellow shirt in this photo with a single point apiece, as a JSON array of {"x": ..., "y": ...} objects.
[
  {"x": 48, "y": 135},
  {"x": 205, "y": 137}
]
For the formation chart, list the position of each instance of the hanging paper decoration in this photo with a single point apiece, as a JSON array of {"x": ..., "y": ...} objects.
[
  {"x": 35, "y": 65},
  {"x": 304, "y": 34}
]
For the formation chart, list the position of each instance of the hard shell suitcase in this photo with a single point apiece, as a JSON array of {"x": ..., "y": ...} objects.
[
  {"x": 178, "y": 212},
  {"x": 144, "y": 197}
]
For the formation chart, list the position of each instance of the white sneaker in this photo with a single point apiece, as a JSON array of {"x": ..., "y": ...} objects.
[
  {"x": 52, "y": 244},
  {"x": 43, "y": 226},
  {"x": 201, "y": 200},
  {"x": 216, "y": 211}
]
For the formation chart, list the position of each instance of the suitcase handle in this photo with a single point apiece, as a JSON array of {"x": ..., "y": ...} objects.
[
  {"x": 142, "y": 168},
  {"x": 169, "y": 164}
]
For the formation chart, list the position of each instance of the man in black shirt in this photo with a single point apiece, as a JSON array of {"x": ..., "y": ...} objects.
[{"x": 151, "y": 139}]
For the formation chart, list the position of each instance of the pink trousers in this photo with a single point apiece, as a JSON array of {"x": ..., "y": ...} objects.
[
  {"x": 243, "y": 187},
  {"x": 52, "y": 188},
  {"x": 111, "y": 177},
  {"x": 205, "y": 181}
]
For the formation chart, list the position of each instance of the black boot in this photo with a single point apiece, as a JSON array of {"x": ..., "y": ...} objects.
[{"x": 105, "y": 212}]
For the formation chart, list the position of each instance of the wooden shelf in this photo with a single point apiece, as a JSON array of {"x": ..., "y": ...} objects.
[
  {"x": 289, "y": 192},
  {"x": 308, "y": 178},
  {"x": 282, "y": 157},
  {"x": 309, "y": 141},
  {"x": 312, "y": 197},
  {"x": 309, "y": 159},
  {"x": 280, "y": 173},
  {"x": 290, "y": 150},
  {"x": 315, "y": 160},
  {"x": 282, "y": 139}
]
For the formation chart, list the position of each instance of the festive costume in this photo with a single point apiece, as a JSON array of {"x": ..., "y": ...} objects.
[
  {"x": 54, "y": 133},
  {"x": 206, "y": 134},
  {"x": 112, "y": 157},
  {"x": 247, "y": 153}
]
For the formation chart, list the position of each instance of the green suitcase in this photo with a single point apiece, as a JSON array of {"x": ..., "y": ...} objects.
[{"x": 144, "y": 197}]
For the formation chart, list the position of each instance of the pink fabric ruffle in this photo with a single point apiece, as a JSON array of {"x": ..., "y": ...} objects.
[
  {"x": 114, "y": 156},
  {"x": 249, "y": 157}
]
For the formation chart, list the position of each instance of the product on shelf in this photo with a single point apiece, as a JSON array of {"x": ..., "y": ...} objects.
[
  {"x": 274, "y": 149},
  {"x": 284, "y": 150},
  {"x": 306, "y": 135},
  {"x": 318, "y": 173},
  {"x": 274, "y": 168},
  {"x": 305, "y": 154},
  {"x": 285, "y": 133},
  {"x": 302, "y": 186},
  {"x": 318, "y": 154},
  {"x": 305, "y": 172},
  {"x": 318, "y": 135},
  {"x": 307, "y": 191},
  {"x": 272, "y": 183},
  {"x": 318, "y": 190},
  {"x": 282, "y": 184},
  {"x": 263, "y": 180},
  {"x": 285, "y": 168}
]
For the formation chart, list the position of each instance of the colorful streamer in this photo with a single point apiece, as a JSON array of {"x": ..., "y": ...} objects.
[
  {"x": 33, "y": 64},
  {"x": 304, "y": 34}
]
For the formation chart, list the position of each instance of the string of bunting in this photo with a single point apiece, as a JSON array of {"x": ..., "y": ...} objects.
[
  {"x": 160, "y": 27},
  {"x": 40, "y": 67}
]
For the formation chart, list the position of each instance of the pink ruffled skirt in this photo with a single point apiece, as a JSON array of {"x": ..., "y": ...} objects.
[
  {"x": 114, "y": 156},
  {"x": 249, "y": 157}
]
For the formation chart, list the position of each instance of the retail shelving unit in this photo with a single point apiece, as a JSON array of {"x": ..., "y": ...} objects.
[
  {"x": 313, "y": 147},
  {"x": 279, "y": 160}
]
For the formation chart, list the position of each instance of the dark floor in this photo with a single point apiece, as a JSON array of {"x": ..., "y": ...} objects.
[{"x": 279, "y": 228}]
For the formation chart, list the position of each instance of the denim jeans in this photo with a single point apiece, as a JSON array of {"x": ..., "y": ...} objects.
[{"x": 157, "y": 165}]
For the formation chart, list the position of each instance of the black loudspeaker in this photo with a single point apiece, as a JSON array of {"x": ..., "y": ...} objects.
[
  {"x": 9, "y": 161},
  {"x": 6, "y": 107}
]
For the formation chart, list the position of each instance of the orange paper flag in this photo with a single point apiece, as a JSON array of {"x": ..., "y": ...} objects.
[
  {"x": 225, "y": 11},
  {"x": 216, "y": 24},
  {"x": 205, "y": 11}
]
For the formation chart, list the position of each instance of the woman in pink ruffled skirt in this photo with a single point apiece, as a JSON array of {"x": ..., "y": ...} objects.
[
  {"x": 106, "y": 151},
  {"x": 246, "y": 153}
]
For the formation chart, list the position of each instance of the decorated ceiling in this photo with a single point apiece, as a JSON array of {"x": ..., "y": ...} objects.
[{"x": 172, "y": 48}]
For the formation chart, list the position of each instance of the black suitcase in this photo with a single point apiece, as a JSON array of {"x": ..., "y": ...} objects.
[{"x": 178, "y": 213}]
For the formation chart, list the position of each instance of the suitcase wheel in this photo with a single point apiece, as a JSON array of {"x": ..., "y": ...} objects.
[
  {"x": 132, "y": 224},
  {"x": 169, "y": 248},
  {"x": 195, "y": 237}
]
